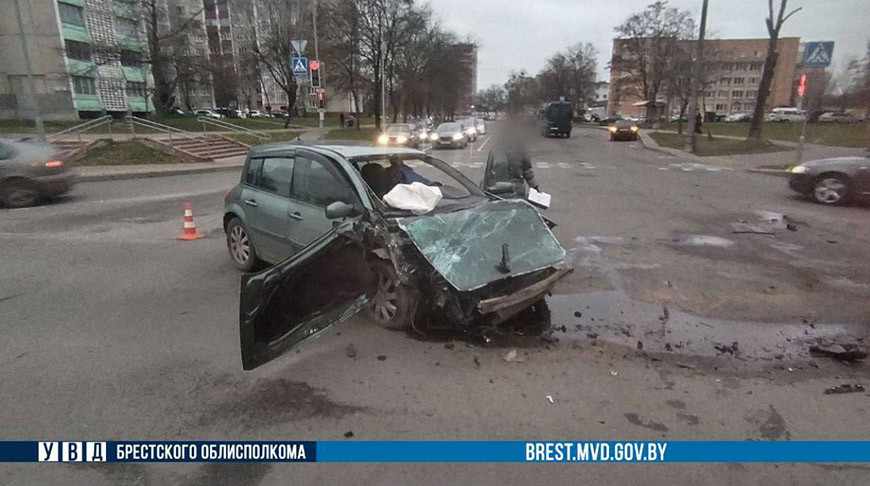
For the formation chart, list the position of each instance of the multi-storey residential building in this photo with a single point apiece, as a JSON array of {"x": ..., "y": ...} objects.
[
  {"x": 86, "y": 57},
  {"x": 732, "y": 74}
]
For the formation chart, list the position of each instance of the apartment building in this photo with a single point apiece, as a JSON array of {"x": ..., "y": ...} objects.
[
  {"x": 86, "y": 57},
  {"x": 732, "y": 74}
]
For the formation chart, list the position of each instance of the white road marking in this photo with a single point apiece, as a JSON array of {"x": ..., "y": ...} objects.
[
  {"x": 563, "y": 165},
  {"x": 483, "y": 144},
  {"x": 542, "y": 165}
]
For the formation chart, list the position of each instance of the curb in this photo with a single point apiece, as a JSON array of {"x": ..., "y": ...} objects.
[{"x": 153, "y": 173}]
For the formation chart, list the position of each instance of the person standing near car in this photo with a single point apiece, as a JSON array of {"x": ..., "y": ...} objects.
[
  {"x": 341, "y": 119},
  {"x": 510, "y": 151}
]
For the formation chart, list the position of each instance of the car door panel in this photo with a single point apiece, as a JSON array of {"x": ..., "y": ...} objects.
[
  {"x": 316, "y": 184},
  {"x": 296, "y": 300},
  {"x": 266, "y": 203}
]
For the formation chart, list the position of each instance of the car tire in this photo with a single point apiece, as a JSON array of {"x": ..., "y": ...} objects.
[
  {"x": 241, "y": 248},
  {"x": 19, "y": 194},
  {"x": 393, "y": 304},
  {"x": 568, "y": 135},
  {"x": 831, "y": 190}
]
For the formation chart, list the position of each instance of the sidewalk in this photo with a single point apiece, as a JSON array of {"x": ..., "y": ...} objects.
[{"x": 116, "y": 172}]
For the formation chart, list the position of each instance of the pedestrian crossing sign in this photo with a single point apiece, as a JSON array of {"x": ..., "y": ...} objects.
[
  {"x": 299, "y": 66},
  {"x": 818, "y": 54}
]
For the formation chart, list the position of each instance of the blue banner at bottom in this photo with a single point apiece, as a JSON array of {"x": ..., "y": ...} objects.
[{"x": 436, "y": 451}]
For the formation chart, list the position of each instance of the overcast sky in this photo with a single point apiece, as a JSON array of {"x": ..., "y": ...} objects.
[{"x": 522, "y": 34}]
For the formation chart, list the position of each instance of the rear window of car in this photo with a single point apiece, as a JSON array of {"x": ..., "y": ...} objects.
[{"x": 624, "y": 124}]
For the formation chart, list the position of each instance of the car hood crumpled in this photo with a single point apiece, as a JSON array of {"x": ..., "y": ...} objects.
[{"x": 465, "y": 246}]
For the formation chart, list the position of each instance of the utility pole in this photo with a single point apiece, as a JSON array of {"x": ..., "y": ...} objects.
[
  {"x": 697, "y": 70},
  {"x": 383, "y": 83},
  {"x": 37, "y": 116},
  {"x": 317, "y": 57}
]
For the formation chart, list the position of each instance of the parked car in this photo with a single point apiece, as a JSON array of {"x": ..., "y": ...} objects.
[
  {"x": 833, "y": 181},
  {"x": 557, "y": 119},
  {"x": 401, "y": 134},
  {"x": 608, "y": 120},
  {"x": 343, "y": 249},
  {"x": 738, "y": 117},
  {"x": 449, "y": 134},
  {"x": 785, "y": 115},
  {"x": 834, "y": 117},
  {"x": 177, "y": 112},
  {"x": 255, "y": 114},
  {"x": 30, "y": 172},
  {"x": 623, "y": 130},
  {"x": 206, "y": 113}
]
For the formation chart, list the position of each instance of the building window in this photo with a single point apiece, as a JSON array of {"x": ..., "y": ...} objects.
[
  {"x": 200, "y": 51},
  {"x": 755, "y": 66},
  {"x": 179, "y": 10},
  {"x": 742, "y": 67},
  {"x": 136, "y": 89},
  {"x": 753, "y": 80},
  {"x": 751, "y": 93},
  {"x": 126, "y": 27},
  {"x": 130, "y": 58},
  {"x": 71, "y": 14},
  {"x": 77, "y": 50},
  {"x": 721, "y": 107},
  {"x": 722, "y": 94},
  {"x": 725, "y": 81},
  {"x": 84, "y": 85},
  {"x": 737, "y": 94},
  {"x": 739, "y": 80}
]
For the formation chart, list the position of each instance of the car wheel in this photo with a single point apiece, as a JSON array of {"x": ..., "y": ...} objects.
[
  {"x": 19, "y": 194},
  {"x": 393, "y": 302},
  {"x": 831, "y": 189},
  {"x": 240, "y": 246}
]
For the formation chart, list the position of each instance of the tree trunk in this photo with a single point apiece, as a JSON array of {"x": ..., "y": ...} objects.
[{"x": 764, "y": 88}]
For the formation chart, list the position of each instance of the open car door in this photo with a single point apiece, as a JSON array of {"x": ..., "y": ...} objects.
[{"x": 283, "y": 306}]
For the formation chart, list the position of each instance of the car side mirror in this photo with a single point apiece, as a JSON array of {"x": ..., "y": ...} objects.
[
  {"x": 501, "y": 188},
  {"x": 340, "y": 210}
]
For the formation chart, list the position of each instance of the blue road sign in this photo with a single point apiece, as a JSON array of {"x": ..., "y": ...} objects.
[
  {"x": 299, "y": 66},
  {"x": 818, "y": 54}
]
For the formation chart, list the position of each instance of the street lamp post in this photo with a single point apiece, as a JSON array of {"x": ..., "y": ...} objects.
[
  {"x": 37, "y": 116},
  {"x": 697, "y": 69}
]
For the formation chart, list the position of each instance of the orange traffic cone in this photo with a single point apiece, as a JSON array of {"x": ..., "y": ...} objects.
[{"x": 190, "y": 232}]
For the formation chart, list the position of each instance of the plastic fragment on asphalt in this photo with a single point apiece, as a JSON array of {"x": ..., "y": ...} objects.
[{"x": 550, "y": 398}]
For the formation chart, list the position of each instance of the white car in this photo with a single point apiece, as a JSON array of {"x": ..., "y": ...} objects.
[
  {"x": 255, "y": 114},
  {"x": 206, "y": 113},
  {"x": 738, "y": 117},
  {"x": 785, "y": 115},
  {"x": 832, "y": 117}
]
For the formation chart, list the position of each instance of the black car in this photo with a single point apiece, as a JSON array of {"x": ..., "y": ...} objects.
[
  {"x": 623, "y": 130},
  {"x": 834, "y": 181},
  {"x": 557, "y": 119}
]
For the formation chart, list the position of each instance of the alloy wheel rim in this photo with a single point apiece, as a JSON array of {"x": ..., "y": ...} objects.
[
  {"x": 240, "y": 247},
  {"x": 830, "y": 190},
  {"x": 384, "y": 305}
]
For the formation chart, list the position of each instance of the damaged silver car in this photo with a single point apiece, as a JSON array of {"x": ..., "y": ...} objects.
[{"x": 473, "y": 260}]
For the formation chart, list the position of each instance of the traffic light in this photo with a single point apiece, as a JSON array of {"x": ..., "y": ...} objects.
[
  {"x": 320, "y": 99},
  {"x": 316, "y": 78}
]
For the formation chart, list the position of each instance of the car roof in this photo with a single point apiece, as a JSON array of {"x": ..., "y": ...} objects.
[{"x": 346, "y": 151}]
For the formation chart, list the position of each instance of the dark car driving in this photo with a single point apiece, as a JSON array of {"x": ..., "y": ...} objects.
[
  {"x": 623, "y": 130},
  {"x": 319, "y": 213},
  {"x": 834, "y": 181},
  {"x": 557, "y": 119},
  {"x": 30, "y": 172}
]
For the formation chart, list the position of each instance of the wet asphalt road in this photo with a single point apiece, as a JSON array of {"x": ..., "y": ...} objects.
[{"x": 115, "y": 330}]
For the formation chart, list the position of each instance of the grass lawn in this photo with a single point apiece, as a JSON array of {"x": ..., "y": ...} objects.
[
  {"x": 125, "y": 153},
  {"x": 838, "y": 134},
  {"x": 276, "y": 137},
  {"x": 718, "y": 146},
  {"x": 364, "y": 134}
]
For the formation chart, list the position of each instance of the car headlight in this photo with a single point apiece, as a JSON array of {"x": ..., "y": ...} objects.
[
  {"x": 383, "y": 139},
  {"x": 457, "y": 136},
  {"x": 633, "y": 129},
  {"x": 613, "y": 129},
  {"x": 433, "y": 137},
  {"x": 799, "y": 169},
  {"x": 401, "y": 139}
]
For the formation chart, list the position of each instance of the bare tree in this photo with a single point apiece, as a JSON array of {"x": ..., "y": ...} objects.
[
  {"x": 570, "y": 74},
  {"x": 522, "y": 92},
  {"x": 493, "y": 98},
  {"x": 648, "y": 42},
  {"x": 774, "y": 24},
  {"x": 281, "y": 23},
  {"x": 341, "y": 48},
  {"x": 860, "y": 88}
]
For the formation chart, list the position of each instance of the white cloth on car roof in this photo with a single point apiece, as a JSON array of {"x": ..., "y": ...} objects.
[{"x": 415, "y": 197}]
